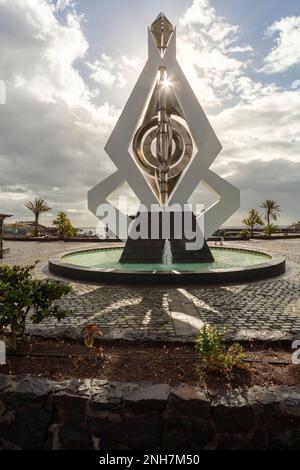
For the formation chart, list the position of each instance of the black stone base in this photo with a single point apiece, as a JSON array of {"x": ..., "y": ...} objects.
[
  {"x": 143, "y": 251},
  {"x": 182, "y": 255},
  {"x": 152, "y": 250}
]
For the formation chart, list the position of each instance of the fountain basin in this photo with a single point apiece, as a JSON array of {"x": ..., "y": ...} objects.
[{"x": 231, "y": 265}]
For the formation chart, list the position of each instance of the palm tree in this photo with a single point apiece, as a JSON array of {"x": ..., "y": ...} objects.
[
  {"x": 271, "y": 211},
  {"x": 37, "y": 206},
  {"x": 252, "y": 220}
]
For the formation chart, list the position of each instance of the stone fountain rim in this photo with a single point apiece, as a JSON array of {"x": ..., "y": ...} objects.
[{"x": 275, "y": 266}]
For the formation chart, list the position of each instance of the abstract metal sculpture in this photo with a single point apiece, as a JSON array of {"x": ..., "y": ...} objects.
[
  {"x": 174, "y": 146},
  {"x": 163, "y": 137}
]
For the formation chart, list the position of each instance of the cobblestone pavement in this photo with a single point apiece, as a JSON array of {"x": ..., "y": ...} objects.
[{"x": 263, "y": 308}]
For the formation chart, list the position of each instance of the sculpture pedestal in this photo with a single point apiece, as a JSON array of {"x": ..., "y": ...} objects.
[{"x": 151, "y": 250}]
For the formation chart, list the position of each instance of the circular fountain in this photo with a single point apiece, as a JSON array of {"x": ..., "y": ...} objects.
[
  {"x": 163, "y": 146},
  {"x": 231, "y": 264}
]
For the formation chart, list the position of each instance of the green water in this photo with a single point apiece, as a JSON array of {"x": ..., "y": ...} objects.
[{"x": 109, "y": 259}]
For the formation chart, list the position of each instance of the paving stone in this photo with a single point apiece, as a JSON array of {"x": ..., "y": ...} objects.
[{"x": 269, "y": 309}]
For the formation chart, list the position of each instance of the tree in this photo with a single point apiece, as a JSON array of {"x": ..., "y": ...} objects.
[
  {"x": 64, "y": 226},
  {"x": 252, "y": 221},
  {"x": 271, "y": 211},
  {"x": 37, "y": 206},
  {"x": 22, "y": 295}
]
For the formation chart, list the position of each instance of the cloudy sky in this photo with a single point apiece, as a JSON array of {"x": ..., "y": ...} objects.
[{"x": 69, "y": 66}]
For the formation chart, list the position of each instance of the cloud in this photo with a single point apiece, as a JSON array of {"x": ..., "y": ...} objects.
[
  {"x": 286, "y": 51},
  {"x": 256, "y": 122},
  {"x": 39, "y": 52},
  {"x": 52, "y": 135},
  {"x": 2, "y": 92},
  {"x": 261, "y": 180},
  {"x": 61, "y": 5},
  {"x": 295, "y": 84},
  {"x": 261, "y": 151},
  {"x": 265, "y": 128},
  {"x": 113, "y": 72},
  {"x": 208, "y": 47}
]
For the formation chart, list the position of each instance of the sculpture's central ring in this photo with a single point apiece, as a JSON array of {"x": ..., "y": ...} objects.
[{"x": 182, "y": 150}]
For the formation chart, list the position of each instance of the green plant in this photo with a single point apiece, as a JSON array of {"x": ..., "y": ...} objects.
[
  {"x": 22, "y": 295},
  {"x": 252, "y": 220},
  {"x": 64, "y": 226},
  {"x": 90, "y": 332},
  {"x": 37, "y": 206},
  {"x": 210, "y": 344},
  {"x": 209, "y": 340},
  {"x": 270, "y": 229}
]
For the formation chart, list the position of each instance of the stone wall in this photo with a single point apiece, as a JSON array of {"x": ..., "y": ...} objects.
[{"x": 92, "y": 414}]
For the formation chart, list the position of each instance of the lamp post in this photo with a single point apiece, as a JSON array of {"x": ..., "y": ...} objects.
[{"x": 2, "y": 218}]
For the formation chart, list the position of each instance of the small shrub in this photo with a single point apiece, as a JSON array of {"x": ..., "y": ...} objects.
[
  {"x": 64, "y": 226},
  {"x": 90, "y": 332},
  {"x": 21, "y": 295},
  {"x": 209, "y": 340},
  {"x": 244, "y": 234},
  {"x": 210, "y": 344}
]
